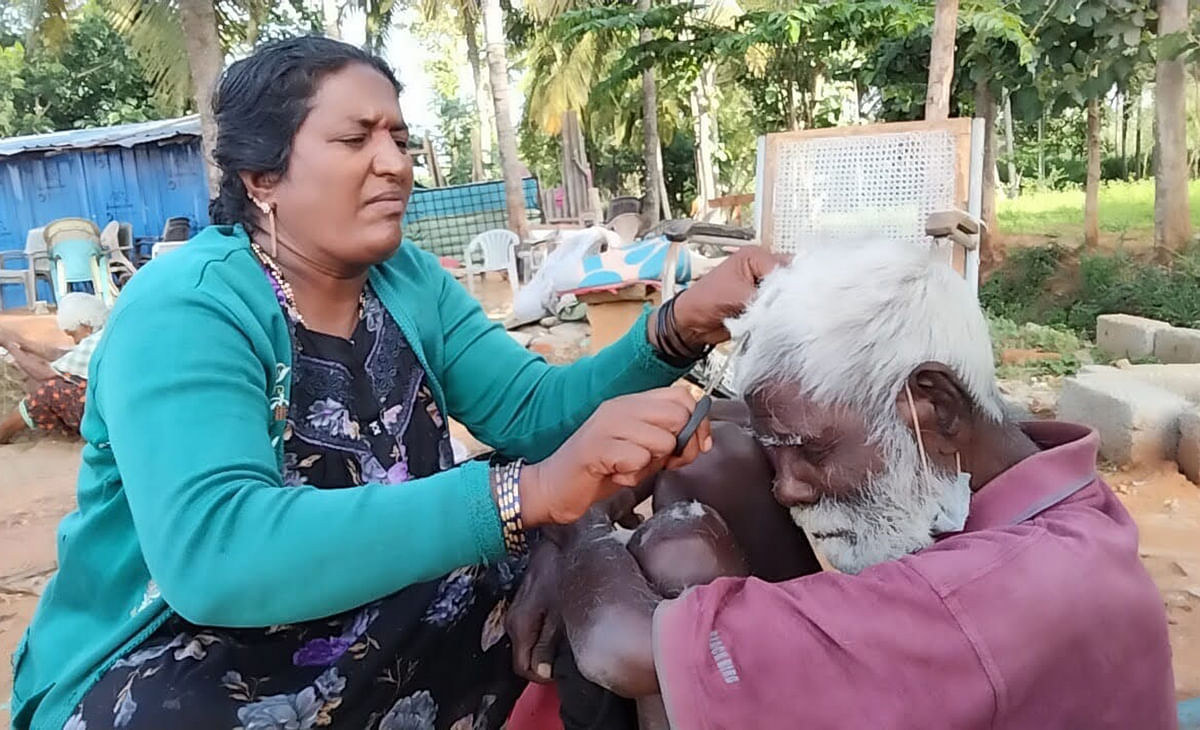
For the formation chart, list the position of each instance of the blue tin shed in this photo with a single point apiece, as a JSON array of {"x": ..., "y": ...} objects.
[{"x": 139, "y": 173}]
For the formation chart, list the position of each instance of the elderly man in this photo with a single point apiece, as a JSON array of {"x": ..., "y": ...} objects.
[
  {"x": 988, "y": 578},
  {"x": 57, "y": 378}
]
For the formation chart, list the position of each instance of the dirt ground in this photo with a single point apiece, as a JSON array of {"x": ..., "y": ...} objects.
[{"x": 37, "y": 484}]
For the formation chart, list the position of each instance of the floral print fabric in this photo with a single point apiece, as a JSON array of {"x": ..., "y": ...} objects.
[{"x": 433, "y": 655}]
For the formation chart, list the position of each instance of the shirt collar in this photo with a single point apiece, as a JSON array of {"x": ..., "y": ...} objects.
[{"x": 1066, "y": 464}]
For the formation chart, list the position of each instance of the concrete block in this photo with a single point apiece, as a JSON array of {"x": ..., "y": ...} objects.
[
  {"x": 1188, "y": 454},
  {"x": 1177, "y": 345},
  {"x": 1182, "y": 379},
  {"x": 1138, "y": 423},
  {"x": 1124, "y": 335}
]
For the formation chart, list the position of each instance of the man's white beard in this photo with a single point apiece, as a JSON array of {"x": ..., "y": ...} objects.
[{"x": 890, "y": 516}]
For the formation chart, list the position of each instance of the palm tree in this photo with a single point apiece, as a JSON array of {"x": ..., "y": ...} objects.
[
  {"x": 510, "y": 163},
  {"x": 467, "y": 13},
  {"x": 567, "y": 73},
  {"x": 179, "y": 45},
  {"x": 198, "y": 20}
]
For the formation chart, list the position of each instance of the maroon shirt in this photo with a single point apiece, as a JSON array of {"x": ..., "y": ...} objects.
[{"x": 1038, "y": 615}]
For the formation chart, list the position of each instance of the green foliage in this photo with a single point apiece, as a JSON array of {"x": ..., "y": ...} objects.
[
  {"x": 1017, "y": 291},
  {"x": 1090, "y": 46},
  {"x": 454, "y": 143},
  {"x": 92, "y": 79},
  {"x": 541, "y": 152},
  {"x": 1118, "y": 283},
  {"x": 1023, "y": 290}
]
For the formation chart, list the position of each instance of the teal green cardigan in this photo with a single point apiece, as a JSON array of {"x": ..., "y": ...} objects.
[{"x": 181, "y": 508}]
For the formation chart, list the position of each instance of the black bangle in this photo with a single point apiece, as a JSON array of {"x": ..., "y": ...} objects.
[
  {"x": 675, "y": 340},
  {"x": 681, "y": 343},
  {"x": 662, "y": 344}
]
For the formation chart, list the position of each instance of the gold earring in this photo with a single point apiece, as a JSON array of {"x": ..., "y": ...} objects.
[{"x": 268, "y": 210}]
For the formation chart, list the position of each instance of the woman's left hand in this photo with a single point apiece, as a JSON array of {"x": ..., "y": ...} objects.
[{"x": 701, "y": 310}]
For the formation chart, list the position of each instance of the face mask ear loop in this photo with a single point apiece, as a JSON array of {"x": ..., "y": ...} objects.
[{"x": 917, "y": 427}]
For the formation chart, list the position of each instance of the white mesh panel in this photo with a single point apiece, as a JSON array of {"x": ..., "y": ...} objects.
[{"x": 883, "y": 185}]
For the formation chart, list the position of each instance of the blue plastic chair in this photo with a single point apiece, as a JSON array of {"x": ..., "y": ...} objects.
[{"x": 76, "y": 257}]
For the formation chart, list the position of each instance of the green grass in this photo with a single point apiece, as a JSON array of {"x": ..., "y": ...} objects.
[
  {"x": 1124, "y": 206},
  {"x": 1007, "y": 334}
]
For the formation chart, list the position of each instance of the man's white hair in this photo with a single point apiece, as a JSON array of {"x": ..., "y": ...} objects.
[
  {"x": 80, "y": 308},
  {"x": 850, "y": 323}
]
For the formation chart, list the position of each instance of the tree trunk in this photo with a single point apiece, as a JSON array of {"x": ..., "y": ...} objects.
[
  {"x": 1014, "y": 185},
  {"x": 705, "y": 129},
  {"x": 1091, "y": 190},
  {"x": 664, "y": 196},
  {"x": 476, "y": 154},
  {"x": 510, "y": 163},
  {"x": 941, "y": 61},
  {"x": 1139, "y": 168},
  {"x": 481, "y": 153},
  {"x": 1041, "y": 155},
  {"x": 205, "y": 60},
  {"x": 1172, "y": 227},
  {"x": 991, "y": 252},
  {"x": 793, "y": 111},
  {"x": 330, "y": 19},
  {"x": 1126, "y": 103},
  {"x": 651, "y": 144}
]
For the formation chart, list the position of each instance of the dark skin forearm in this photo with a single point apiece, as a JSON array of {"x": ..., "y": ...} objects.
[
  {"x": 11, "y": 341},
  {"x": 608, "y": 610},
  {"x": 33, "y": 365}
]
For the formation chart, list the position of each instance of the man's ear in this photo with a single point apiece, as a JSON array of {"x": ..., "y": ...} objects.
[{"x": 942, "y": 406}]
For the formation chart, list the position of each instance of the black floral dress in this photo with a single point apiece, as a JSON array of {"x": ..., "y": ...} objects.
[{"x": 433, "y": 655}]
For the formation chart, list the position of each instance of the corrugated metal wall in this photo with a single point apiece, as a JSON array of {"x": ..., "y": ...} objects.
[{"x": 143, "y": 185}]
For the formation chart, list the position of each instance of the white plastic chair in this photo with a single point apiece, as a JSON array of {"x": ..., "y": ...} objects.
[
  {"x": 627, "y": 226},
  {"x": 110, "y": 240},
  {"x": 497, "y": 249},
  {"x": 37, "y": 264}
]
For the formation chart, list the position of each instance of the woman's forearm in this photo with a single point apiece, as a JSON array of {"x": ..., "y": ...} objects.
[{"x": 240, "y": 552}]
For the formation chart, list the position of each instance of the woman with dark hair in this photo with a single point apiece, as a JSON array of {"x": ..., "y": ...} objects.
[{"x": 271, "y": 531}]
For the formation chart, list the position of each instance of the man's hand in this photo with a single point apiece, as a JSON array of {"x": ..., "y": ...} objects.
[{"x": 533, "y": 621}]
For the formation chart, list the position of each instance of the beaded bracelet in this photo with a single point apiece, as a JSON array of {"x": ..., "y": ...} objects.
[{"x": 506, "y": 482}]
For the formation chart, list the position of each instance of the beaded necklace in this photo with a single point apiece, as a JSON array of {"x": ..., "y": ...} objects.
[{"x": 283, "y": 290}]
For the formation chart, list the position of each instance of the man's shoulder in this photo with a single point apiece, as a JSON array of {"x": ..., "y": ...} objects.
[
  {"x": 1087, "y": 531},
  {"x": 1048, "y": 602}
]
